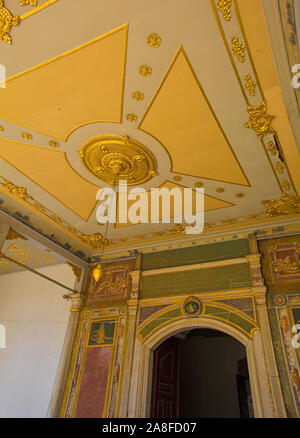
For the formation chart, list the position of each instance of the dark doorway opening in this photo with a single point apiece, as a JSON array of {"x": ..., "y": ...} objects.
[{"x": 201, "y": 373}]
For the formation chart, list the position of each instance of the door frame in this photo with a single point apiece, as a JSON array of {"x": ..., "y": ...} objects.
[{"x": 142, "y": 370}]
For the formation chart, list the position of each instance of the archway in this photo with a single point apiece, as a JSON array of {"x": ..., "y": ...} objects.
[
  {"x": 140, "y": 391},
  {"x": 201, "y": 373}
]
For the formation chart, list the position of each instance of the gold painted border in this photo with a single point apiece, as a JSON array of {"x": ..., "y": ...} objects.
[
  {"x": 203, "y": 314},
  {"x": 181, "y": 50},
  {"x": 39, "y": 8}
]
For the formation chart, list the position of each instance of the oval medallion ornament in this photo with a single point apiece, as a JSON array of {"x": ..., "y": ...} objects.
[
  {"x": 112, "y": 158},
  {"x": 192, "y": 307}
]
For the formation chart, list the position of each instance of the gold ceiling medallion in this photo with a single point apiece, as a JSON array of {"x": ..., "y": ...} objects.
[
  {"x": 7, "y": 20},
  {"x": 250, "y": 85},
  {"x": 145, "y": 70},
  {"x": 28, "y": 2},
  {"x": 153, "y": 40},
  {"x": 286, "y": 205},
  {"x": 224, "y": 6},
  {"x": 113, "y": 157},
  {"x": 260, "y": 121},
  {"x": 138, "y": 95},
  {"x": 238, "y": 49}
]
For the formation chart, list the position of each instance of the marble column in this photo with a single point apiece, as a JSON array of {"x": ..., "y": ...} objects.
[
  {"x": 260, "y": 292},
  {"x": 61, "y": 375},
  {"x": 132, "y": 303}
]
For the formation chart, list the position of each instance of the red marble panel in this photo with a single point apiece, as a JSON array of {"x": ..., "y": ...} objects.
[{"x": 94, "y": 382}]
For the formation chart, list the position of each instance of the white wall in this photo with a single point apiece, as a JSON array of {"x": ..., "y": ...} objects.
[{"x": 35, "y": 316}]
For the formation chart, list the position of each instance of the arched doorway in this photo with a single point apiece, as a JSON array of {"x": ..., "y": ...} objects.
[
  {"x": 140, "y": 386},
  {"x": 201, "y": 373}
]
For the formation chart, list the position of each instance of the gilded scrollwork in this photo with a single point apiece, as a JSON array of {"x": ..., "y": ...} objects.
[
  {"x": 94, "y": 241},
  {"x": 286, "y": 205},
  {"x": 28, "y": 2},
  {"x": 260, "y": 121},
  {"x": 7, "y": 20}
]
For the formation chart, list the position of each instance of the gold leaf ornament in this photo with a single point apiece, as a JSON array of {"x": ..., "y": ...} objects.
[
  {"x": 7, "y": 20},
  {"x": 28, "y": 2},
  {"x": 238, "y": 49},
  {"x": 260, "y": 120},
  {"x": 153, "y": 40},
  {"x": 224, "y": 7},
  {"x": 145, "y": 70},
  {"x": 286, "y": 205}
]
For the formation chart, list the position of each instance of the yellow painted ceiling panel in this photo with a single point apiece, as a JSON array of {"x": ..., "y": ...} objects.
[
  {"x": 181, "y": 118},
  {"x": 253, "y": 20},
  {"x": 78, "y": 87},
  {"x": 210, "y": 203},
  {"x": 51, "y": 171}
]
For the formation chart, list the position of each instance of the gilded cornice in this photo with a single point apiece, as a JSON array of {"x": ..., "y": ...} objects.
[
  {"x": 94, "y": 241},
  {"x": 286, "y": 205}
]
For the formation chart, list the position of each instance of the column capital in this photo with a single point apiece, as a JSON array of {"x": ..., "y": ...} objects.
[
  {"x": 255, "y": 269},
  {"x": 77, "y": 301},
  {"x": 260, "y": 296},
  {"x": 253, "y": 258},
  {"x": 132, "y": 304},
  {"x": 135, "y": 283}
]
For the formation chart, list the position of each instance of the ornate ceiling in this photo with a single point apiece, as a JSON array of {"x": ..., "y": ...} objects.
[{"x": 174, "y": 96}]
